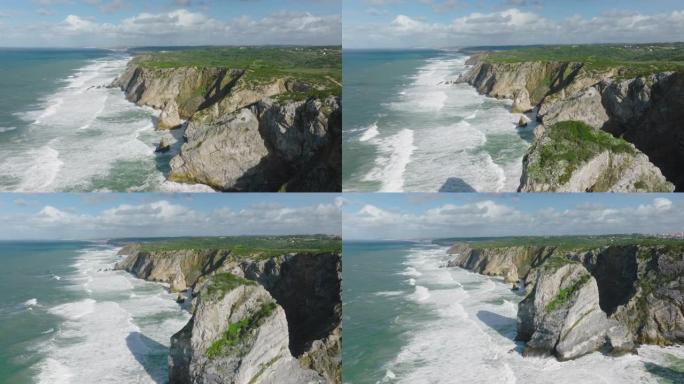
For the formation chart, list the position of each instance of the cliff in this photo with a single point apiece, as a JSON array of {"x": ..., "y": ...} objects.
[
  {"x": 243, "y": 132},
  {"x": 645, "y": 110},
  {"x": 570, "y": 156},
  {"x": 582, "y": 299},
  {"x": 255, "y": 319},
  {"x": 265, "y": 147}
]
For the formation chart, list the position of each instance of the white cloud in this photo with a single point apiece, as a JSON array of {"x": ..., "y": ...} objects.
[
  {"x": 181, "y": 27},
  {"x": 491, "y": 218},
  {"x": 513, "y": 26},
  {"x": 165, "y": 218}
]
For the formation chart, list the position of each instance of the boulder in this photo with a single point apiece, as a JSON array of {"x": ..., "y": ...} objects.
[
  {"x": 164, "y": 145},
  {"x": 521, "y": 101}
]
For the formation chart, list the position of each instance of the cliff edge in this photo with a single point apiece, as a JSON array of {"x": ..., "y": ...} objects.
[
  {"x": 247, "y": 128},
  {"x": 641, "y": 104},
  {"x": 581, "y": 299},
  {"x": 255, "y": 318}
]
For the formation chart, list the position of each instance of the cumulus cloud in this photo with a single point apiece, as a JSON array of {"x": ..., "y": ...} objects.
[
  {"x": 493, "y": 218},
  {"x": 182, "y": 27},
  {"x": 166, "y": 218},
  {"x": 515, "y": 26}
]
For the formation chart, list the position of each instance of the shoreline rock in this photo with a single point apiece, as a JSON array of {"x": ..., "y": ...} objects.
[
  {"x": 242, "y": 136},
  {"x": 254, "y": 320},
  {"x": 611, "y": 298},
  {"x": 646, "y": 111}
]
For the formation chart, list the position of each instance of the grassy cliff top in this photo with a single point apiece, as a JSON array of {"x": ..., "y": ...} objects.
[
  {"x": 575, "y": 242},
  {"x": 571, "y": 144},
  {"x": 321, "y": 66},
  {"x": 264, "y": 246},
  {"x": 634, "y": 59}
]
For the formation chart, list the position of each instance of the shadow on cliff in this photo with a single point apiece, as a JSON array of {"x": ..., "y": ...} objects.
[
  {"x": 658, "y": 131},
  {"x": 505, "y": 326},
  {"x": 668, "y": 374},
  {"x": 456, "y": 184},
  {"x": 150, "y": 354},
  {"x": 163, "y": 159}
]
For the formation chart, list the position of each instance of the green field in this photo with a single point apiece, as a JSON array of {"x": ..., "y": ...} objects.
[
  {"x": 263, "y": 246},
  {"x": 320, "y": 67},
  {"x": 572, "y": 242},
  {"x": 633, "y": 59}
]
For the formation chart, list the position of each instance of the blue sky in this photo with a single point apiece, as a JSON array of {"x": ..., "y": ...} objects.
[
  {"x": 96, "y": 216},
  {"x": 453, "y": 23},
  {"x": 115, "y": 23},
  {"x": 419, "y": 216}
]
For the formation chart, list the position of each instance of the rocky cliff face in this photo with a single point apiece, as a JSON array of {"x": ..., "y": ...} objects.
[
  {"x": 596, "y": 163},
  {"x": 646, "y": 111},
  {"x": 579, "y": 301},
  {"x": 242, "y": 135},
  {"x": 180, "y": 269},
  {"x": 254, "y": 321},
  {"x": 267, "y": 146}
]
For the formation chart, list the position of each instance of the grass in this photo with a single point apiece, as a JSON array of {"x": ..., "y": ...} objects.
[
  {"x": 632, "y": 59},
  {"x": 239, "y": 331},
  {"x": 320, "y": 67},
  {"x": 570, "y": 144},
  {"x": 576, "y": 243},
  {"x": 253, "y": 246},
  {"x": 566, "y": 293},
  {"x": 222, "y": 283}
]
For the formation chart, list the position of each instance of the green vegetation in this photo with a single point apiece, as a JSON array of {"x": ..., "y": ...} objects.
[
  {"x": 632, "y": 59},
  {"x": 566, "y": 293},
  {"x": 262, "y": 369},
  {"x": 239, "y": 331},
  {"x": 555, "y": 262},
  {"x": 222, "y": 283},
  {"x": 252, "y": 246},
  {"x": 319, "y": 67},
  {"x": 570, "y": 144},
  {"x": 577, "y": 243}
]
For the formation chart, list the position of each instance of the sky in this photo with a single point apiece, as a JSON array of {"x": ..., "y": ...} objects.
[
  {"x": 114, "y": 215},
  {"x": 430, "y": 216},
  {"x": 459, "y": 23},
  {"x": 126, "y": 23}
]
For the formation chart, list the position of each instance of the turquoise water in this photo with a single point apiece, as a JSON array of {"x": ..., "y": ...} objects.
[
  {"x": 407, "y": 319},
  {"x": 407, "y": 129},
  {"x": 62, "y": 129},
  {"x": 67, "y": 318}
]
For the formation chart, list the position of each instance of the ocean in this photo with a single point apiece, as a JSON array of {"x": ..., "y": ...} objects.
[
  {"x": 408, "y": 320},
  {"x": 62, "y": 129},
  {"x": 406, "y": 129},
  {"x": 66, "y": 317}
]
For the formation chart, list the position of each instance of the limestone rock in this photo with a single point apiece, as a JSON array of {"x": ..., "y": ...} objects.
[
  {"x": 238, "y": 336},
  {"x": 521, "y": 101},
  {"x": 640, "y": 292},
  {"x": 264, "y": 147},
  {"x": 615, "y": 167},
  {"x": 585, "y": 106},
  {"x": 169, "y": 117},
  {"x": 562, "y": 315},
  {"x": 181, "y": 269},
  {"x": 164, "y": 145}
]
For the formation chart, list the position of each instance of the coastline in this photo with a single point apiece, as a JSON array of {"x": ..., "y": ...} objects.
[
  {"x": 427, "y": 133},
  {"x": 133, "y": 318},
  {"x": 443, "y": 310}
]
